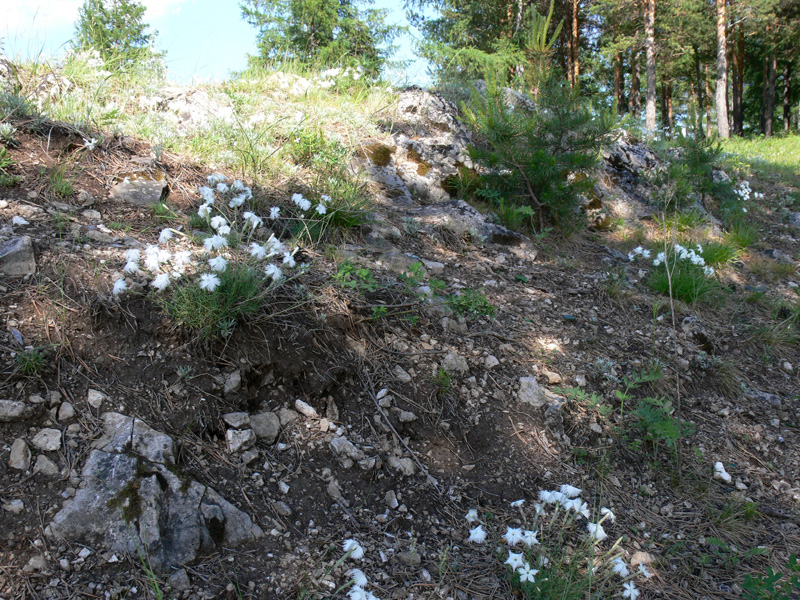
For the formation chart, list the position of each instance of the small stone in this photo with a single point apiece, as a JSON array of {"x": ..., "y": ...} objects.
[
  {"x": 740, "y": 485},
  {"x": 409, "y": 559},
  {"x": 237, "y": 420},
  {"x": 64, "y": 565},
  {"x": 267, "y": 426},
  {"x": 45, "y": 466},
  {"x": 11, "y": 410},
  {"x": 233, "y": 383},
  {"x": 283, "y": 487},
  {"x": 553, "y": 378},
  {"x": 179, "y": 580},
  {"x": 36, "y": 563},
  {"x": 406, "y": 466},
  {"x": 287, "y": 415},
  {"x": 35, "y": 399},
  {"x": 15, "y": 506},
  {"x": 305, "y": 409},
  {"x": 47, "y": 440},
  {"x": 433, "y": 267},
  {"x": 96, "y": 398},
  {"x": 391, "y": 499},
  {"x": 491, "y": 362},
  {"x": 530, "y": 392},
  {"x": 580, "y": 380},
  {"x": 401, "y": 374},
  {"x": 20, "y": 458},
  {"x": 333, "y": 490},
  {"x": 407, "y": 416},
  {"x": 249, "y": 456},
  {"x": 92, "y": 215},
  {"x": 282, "y": 508},
  {"x": 787, "y": 366},
  {"x": 16, "y": 257},
  {"x": 324, "y": 425},
  {"x": 240, "y": 439},
  {"x": 65, "y": 412},
  {"x": 453, "y": 362}
]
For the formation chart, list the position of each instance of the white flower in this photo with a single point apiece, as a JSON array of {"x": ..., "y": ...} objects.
[
  {"x": 646, "y": 253},
  {"x": 571, "y": 491},
  {"x": 214, "y": 242},
  {"x": 518, "y": 503},
  {"x": 630, "y": 591},
  {"x": 275, "y": 245},
  {"x": 297, "y": 198},
  {"x": 207, "y": 194},
  {"x": 543, "y": 561},
  {"x": 224, "y": 230},
  {"x": 596, "y": 531},
  {"x": 357, "y": 593},
  {"x": 237, "y": 186},
  {"x": 526, "y": 573},
  {"x": 215, "y": 178},
  {"x": 477, "y": 535},
  {"x": 708, "y": 271},
  {"x": 325, "y": 198},
  {"x": 514, "y": 560},
  {"x": 274, "y": 272},
  {"x": 619, "y": 567},
  {"x": 222, "y": 188},
  {"x": 274, "y": 212},
  {"x": 119, "y": 287},
  {"x": 529, "y": 538},
  {"x": 218, "y": 264},
  {"x": 131, "y": 267},
  {"x": 321, "y": 209},
  {"x": 209, "y": 282},
  {"x": 218, "y": 222},
  {"x": 160, "y": 282},
  {"x": 607, "y": 514},
  {"x": 180, "y": 260},
  {"x": 133, "y": 255},
  {"x": 354, "y": 548},
  {"x": 237, "y": 201},
  {"x": 513, "y": 535},
  {"x": 643, "y": 570},
  {"x": 17, "y": 220},
  {"x": 579, "y": 506},
  {"x": 538, "y": 508},
  {"x": 720, "y": 472},
  {"x": 472, "y": 515},
  {"x": 630, "y": 257},
  {"x": 358, "y": 577},
  {"x": 204, "y": 211},
  {"x": 304, "y": 204},
  {"x": 258, "y": 251},
  {"x": 165, "y": 236},
  {"x": 288, "y": 259},
  {"x": 254, "y": 219},
  {"x": 90, "y": 144}
]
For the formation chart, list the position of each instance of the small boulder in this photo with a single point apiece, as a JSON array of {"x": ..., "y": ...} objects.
[
  {"x": 240, "y": 439},
  {"x": 266, "y": 426},
  {"x": 453, "y": 362},
  {"x": 16, "y": 257},
  {"x": 401, "y": 374},
  {"x": 237, "y": 420},
  {"x": 20, "y": 457},
  {"x": 491, "y": 362},
  {"x": 47, "y": 440},
  {"x": 65, "y": 412},
  {"x": 287, "y": 415},
  {"x": 233, "y": 383},
  {"x": 305, "y": 409},
  {"x": 45, "y": 466},
  {"x": 530, "y": 392},
  {"x": 12, "y": 410},
  {"x": 95, "y": 398}
]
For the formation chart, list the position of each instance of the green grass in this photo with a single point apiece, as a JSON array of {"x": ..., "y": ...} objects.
[
  {"x": 31, "y": 361},
  {"x": 59, "y": 180},
  {"x": 689, "y": 283},
  {"x": 742, "y": 233},
  {"x": 777, "y": 157},
  {"x": 719, "y": 254}
]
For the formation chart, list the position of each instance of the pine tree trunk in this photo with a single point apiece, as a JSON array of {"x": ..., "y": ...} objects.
[
  {"x": 721, "y": 95},
  {"x": 709, "y": 126},
  {"x": 770, "y": 110},
  {"x": 576, "y": 61},
  {"x": 670, "y": 115},
  {"x": 697, "y": 123},
  {"x": 634, "y": 99},
  {"x": 618, "y": 100},
  {"x": 737, "y": 98},
  {"x": 650, "y": 66},
  {"x": 701, "y": 104},
  {"x": 787, "y": 97}
]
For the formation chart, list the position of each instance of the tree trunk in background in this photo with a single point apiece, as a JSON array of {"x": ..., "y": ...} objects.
[
  {"x": 634, "y": 99},
  {"x": 698, "y": 120},
  {"x": 709, "y": 127},
  {"x": 787, "y": 97},
  {"x": 737, "y": 98},
  {"x": 770, "y": 109},
  {"x": 618, "y": 99},
  {"x": 740, "y": 91},
  {"x": 576, "y": 60},
  {"x": 650, "y": 66},
  {"x": 698, "y": 126},
  {"x": 670, "y": 115},
  {"x": 721, "y": 95}
]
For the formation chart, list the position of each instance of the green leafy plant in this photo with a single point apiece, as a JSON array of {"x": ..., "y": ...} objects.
[
  {"x": 593, "y": 400},
  {"x": 7, "y": 179},
  {"x": 687, "y": 282},
  {"x": 31, "y": 361},
  {"x": 772, "y": 585},
  {"x": 357, "y": 278},
  {"x": 655, "y": 419},
  {"x": 470, "y": 303},
  {"x": 60, "y": 181}
]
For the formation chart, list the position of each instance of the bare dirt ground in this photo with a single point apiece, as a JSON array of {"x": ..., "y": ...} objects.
[{"x": 447, "y": 434}]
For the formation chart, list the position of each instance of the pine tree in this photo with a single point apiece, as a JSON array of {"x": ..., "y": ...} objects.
[
  {"x": 115, "y": 28},
  {"x": 321, "y": 33}
]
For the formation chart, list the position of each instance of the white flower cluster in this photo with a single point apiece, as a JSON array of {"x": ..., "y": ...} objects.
[
  {"x": 164, "y": 265},
  {"x": 567, "y": 508},
  {"x": 355, "y": 551},
  {"x": 744, "y": 192},
  {"x": 638, "y": 251},
  {"x": 693, "y": 255},
  {"x": 305, "y": 205},
  {"x": 328, "y": 77}
]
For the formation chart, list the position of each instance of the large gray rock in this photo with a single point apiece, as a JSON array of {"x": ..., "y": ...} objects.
[
  {"x": 12, "y": 410},
  {"x": 16, "y": 257},
  {"x": 141, "y": 189},
  {"x": 266, "y": 426},
  {"x": 136, "y": 499}
]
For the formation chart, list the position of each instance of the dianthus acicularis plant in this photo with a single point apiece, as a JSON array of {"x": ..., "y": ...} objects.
[
  {"x": 558, "y": 549},
  {"x": 239, "y": 254}
]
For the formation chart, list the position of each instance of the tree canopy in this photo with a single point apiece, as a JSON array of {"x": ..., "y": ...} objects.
[{"x": 115, "y": 28}]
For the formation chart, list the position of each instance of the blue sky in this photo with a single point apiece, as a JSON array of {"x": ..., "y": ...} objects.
[{"x": 203, "y": 39}]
